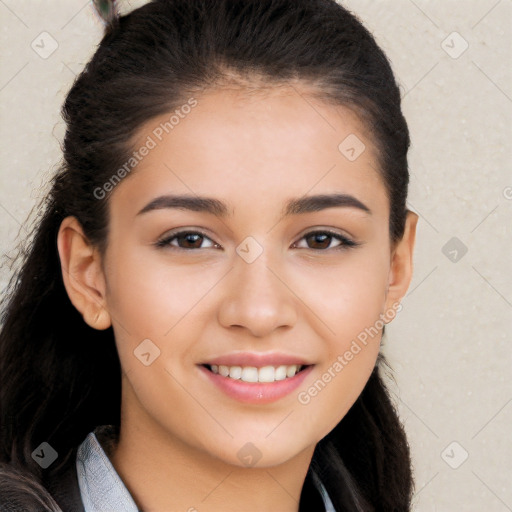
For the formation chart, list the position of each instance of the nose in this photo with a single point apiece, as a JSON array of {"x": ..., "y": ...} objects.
[{"x": 257, "y": 298}]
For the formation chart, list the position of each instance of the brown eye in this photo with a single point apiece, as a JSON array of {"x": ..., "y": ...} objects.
[
  {"x": 190, "y": 240},
  {"x": 185, "y": 240},
  {"x": 319, "y": 240},
  {"x": 322, "y": 240}
]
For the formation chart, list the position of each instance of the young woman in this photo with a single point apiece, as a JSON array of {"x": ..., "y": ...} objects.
[{"x": 196, "y": 322}]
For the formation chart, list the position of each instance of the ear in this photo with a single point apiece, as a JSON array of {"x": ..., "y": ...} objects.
[
  {"x": 82, "y": 274},
  {"x": 400, "y": 273}
]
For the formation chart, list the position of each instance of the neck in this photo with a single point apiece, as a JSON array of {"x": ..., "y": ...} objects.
[{"x": 163, "y": 473}]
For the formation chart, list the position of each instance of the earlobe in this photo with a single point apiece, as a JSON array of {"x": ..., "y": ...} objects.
[
  {"x": 82, "y": 274},
  {"x": 401, "y": 269}
]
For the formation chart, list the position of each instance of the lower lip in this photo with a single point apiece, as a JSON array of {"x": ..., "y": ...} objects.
[{"x": 257, "y": 392}]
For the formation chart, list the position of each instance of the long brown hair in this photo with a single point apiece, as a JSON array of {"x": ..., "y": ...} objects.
[{"x": 53, "y": 385}]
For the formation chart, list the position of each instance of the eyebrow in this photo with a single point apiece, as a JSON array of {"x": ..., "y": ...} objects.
[{"x": 302, "y": 205}]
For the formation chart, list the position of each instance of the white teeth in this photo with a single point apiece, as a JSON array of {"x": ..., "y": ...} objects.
[
  {"x": 235, "y": 372},
  {"x": 280, "y": 373},
  {"x": 253, "y": 374},
  {"x": 266, "y": 374},
  {"x": 291, "y": 370},
  {"x": 249, "y": 374}
]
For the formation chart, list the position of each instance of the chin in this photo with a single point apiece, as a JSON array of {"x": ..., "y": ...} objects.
[{"x": 260, "y": 452}]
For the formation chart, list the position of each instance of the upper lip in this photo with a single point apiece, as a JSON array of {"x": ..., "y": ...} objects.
[{"x": 257, "y": 359}]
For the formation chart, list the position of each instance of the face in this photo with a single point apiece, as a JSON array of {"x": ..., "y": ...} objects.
[{"x": 248, "y": 288}]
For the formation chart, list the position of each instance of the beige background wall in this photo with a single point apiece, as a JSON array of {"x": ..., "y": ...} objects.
[{"x": 450, "y": 347}]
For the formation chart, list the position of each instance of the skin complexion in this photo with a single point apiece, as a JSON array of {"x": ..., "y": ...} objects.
[{"x": 239, "y": 285}]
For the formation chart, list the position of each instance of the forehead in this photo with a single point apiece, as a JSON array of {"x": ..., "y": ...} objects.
[{"x": 264, "y": 143}]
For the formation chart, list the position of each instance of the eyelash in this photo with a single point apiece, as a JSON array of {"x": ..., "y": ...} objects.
[{"x": 346, "y": 243}]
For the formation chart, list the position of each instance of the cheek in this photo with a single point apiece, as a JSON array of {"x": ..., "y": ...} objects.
[
  {"x": 160, "y": 302},
  {"x": 347, "y": 296},
  {"x": 349, "y": 302},
  {"x": 349, "y": 359},
  {"x": 355, "y": 312},
  {"x": 149, "y": 297},
  {"x": 325, "y": 400}
]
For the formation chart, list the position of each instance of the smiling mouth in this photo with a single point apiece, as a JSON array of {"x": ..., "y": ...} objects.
[{"x": 254, "y": 374}]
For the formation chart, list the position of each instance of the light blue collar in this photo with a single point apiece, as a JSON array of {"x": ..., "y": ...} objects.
[{"x": 102, "y": 489}]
